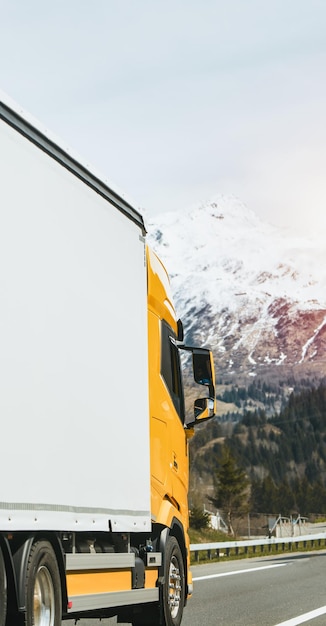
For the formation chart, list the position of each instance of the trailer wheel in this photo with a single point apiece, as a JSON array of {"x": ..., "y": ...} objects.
[
  {"x": 174, "y": 585},
  {"x": 42, "y": 587},
  {"x": 3, "y": 591}
]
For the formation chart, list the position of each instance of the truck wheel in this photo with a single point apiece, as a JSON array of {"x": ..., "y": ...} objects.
[
  {"x": 42, "y": 587},
  {"x": 174, "y": 585},
  {"x": 3, "y": 591},
  {"x": 173, "y": 591}
]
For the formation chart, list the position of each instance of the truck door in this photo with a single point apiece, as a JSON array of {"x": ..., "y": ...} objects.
[{"x": 177, "y": 446}]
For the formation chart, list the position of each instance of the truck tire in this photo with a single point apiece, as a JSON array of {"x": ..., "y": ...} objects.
[
  {"x": 42, "y": 587},
  {"x": 173, "y": 593},
  {"x": 3, "y": 591}
]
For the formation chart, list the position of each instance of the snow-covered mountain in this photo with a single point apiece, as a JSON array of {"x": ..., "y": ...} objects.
[{"x": 256, "y": 295}]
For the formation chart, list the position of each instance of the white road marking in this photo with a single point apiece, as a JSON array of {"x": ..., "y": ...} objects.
[
  {"x": 305, "y": 617},
  {"x": 240, "y": 571}
]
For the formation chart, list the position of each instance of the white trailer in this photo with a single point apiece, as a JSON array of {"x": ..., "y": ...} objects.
[
  {"x": 94, "y": 457},
  {"x": 73, "y": 337}
]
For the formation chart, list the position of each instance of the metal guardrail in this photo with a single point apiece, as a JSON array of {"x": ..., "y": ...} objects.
[{"x": 224, "y": 548}]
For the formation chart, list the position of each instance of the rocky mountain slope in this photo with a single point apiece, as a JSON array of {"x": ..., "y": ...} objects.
[{"x": 255, "y": 295}]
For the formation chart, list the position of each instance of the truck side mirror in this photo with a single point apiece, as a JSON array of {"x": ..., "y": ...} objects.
[
  {"x": 203, "y": 366},
  {"x": 204, "y": 374},
  {"x": 204, "y": 409}
]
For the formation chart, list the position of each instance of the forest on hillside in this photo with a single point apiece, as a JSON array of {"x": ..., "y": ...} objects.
[{"x": 284, "y": 456}]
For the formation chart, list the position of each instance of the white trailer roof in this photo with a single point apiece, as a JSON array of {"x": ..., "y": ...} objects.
[{"x": 31, "y": 128}]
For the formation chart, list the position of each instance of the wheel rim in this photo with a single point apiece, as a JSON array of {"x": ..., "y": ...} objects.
[
  {"x": 174, "y": 588},
  {"x": 43, "y": 608}
]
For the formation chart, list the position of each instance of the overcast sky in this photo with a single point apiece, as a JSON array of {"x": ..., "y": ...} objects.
[{"x": 179, "y": 100}]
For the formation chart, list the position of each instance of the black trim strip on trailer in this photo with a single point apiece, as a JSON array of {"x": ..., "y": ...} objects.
[{"x": 61, "y": 156}]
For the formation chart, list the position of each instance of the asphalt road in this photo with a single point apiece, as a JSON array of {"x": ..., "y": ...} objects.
[{"x": 265, "y": 591}]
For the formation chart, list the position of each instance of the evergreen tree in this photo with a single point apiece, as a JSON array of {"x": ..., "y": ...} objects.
[
  {"x": 231, "y": 488},
  {"x": 264, "y": 498},
  {"x": 285, "y": 499},
  {"x": 198, "y": 518}
]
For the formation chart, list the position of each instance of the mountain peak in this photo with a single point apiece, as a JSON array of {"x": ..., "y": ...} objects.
[
  {"x": 250, "y": 279},
  {"x": 228, "y": 207}
]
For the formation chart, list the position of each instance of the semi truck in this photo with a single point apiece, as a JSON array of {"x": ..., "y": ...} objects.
[{"x": 94, "y": 448}]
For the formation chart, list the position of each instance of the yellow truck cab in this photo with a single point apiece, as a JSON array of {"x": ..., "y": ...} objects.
[{"x": 169, "y": 432}]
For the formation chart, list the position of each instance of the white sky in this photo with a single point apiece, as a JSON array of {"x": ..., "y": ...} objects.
[{"x": 179, "y": 100}]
